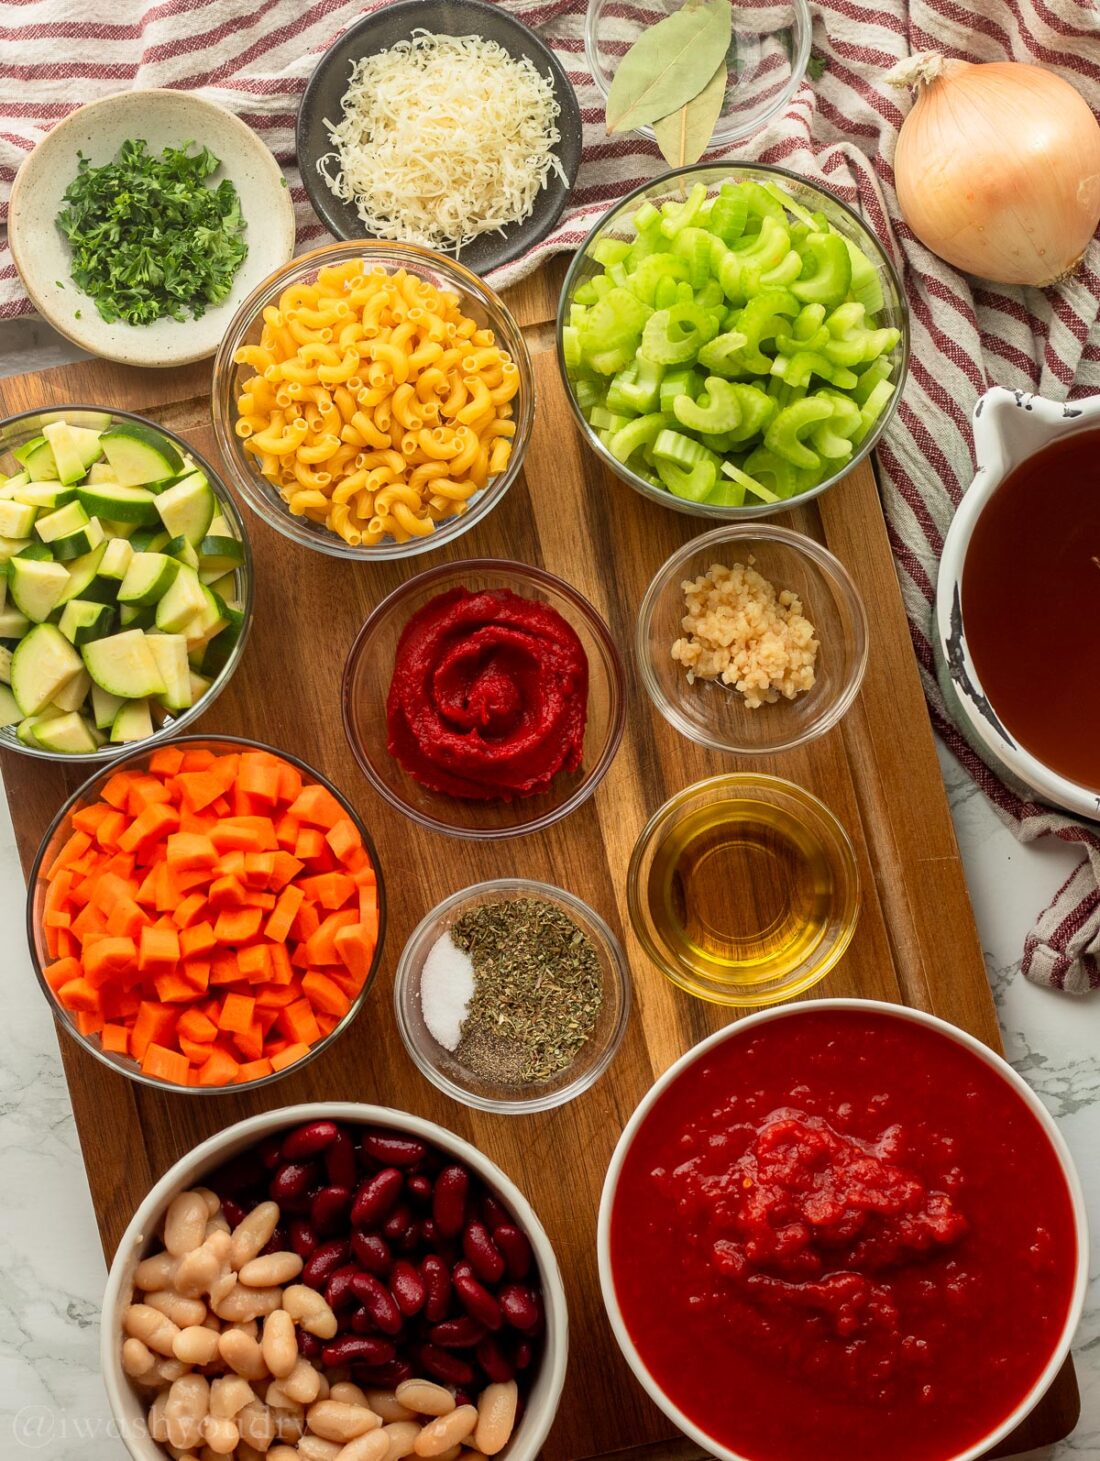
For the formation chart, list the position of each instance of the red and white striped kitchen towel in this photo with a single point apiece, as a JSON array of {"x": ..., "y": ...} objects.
[{"x": 840, "y": 130}]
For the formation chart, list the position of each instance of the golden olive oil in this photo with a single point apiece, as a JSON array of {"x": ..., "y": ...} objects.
[{"x": 741, "y": 892}]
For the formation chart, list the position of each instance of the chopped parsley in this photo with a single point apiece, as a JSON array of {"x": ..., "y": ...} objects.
[{"x": 149, "y": 238}]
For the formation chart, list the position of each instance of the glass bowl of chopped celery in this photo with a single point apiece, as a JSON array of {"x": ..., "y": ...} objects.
[
  {"x": 125, "y": 583},
  {"x": 512, "y": 996},
  {"x": 733, "y": 340}
]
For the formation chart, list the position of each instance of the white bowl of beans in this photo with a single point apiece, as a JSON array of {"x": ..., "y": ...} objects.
[{"x": 334, "y": 1281}]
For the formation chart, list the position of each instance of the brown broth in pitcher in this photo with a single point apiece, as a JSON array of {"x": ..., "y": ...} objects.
[{"x": 1031, "y": 605}]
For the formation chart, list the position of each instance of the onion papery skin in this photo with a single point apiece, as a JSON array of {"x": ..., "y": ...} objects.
[{"x": 997, "y": 168}]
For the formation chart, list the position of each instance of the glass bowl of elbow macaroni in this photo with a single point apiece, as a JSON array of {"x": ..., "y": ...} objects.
[{"x": 373, "y": 400}]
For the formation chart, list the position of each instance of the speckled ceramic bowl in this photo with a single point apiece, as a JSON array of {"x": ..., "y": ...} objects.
[{"x": 163, "y": 118}]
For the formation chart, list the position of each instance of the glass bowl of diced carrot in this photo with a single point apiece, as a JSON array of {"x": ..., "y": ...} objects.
[{"x": 206, "y": 914}]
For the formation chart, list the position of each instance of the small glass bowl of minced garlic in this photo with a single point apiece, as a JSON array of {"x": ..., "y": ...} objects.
[{"x": 512, "y": 996}]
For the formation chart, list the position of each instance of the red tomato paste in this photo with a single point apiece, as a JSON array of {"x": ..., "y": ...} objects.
[
  {"x": 842, "y": 1237},
  {"x": 489, "y": 695}
]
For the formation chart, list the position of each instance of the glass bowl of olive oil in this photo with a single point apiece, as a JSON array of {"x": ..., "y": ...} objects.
[{"x": 743, "y": 889}]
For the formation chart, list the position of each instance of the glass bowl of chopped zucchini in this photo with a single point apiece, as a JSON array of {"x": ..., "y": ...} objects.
[
  {"x": 373, "y": 400},
  {"x": 733, "y": 340},
  {"x": 512, "y": 996},
  {"x": 125, "y": 583}
]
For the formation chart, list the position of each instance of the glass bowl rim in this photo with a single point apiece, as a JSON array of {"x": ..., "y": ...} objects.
[
  {"x": 620, "y": 469},
  {"x": 792, "y": 790},
  {"x": 616, "y": 680},
  {"x": 757, "y": 121},
  {"x": 138, "y": 1076},
  {"x": 831, "y": 568},
  {"x": 108, "y": 754},
  {"x": 249, "y": 484},
  {"x": 616, "y": 961}
]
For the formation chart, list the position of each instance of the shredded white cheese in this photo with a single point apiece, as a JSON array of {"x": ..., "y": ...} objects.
[{"x": 444, "y": 138}]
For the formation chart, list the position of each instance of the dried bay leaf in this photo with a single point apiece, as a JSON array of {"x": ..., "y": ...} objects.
[
  {"x": 668, "y": 65},
  {"x": 685, "y": 135}
]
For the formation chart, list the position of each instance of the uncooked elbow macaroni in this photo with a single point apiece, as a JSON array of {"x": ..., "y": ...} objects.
[{"x": 377, "y": 408}]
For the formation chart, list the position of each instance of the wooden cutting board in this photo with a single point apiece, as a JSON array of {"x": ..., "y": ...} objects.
[{"x": 915, "y": 944}]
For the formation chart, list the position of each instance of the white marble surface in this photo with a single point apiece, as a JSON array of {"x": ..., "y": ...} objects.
[{"x": 51, "y": 1397}]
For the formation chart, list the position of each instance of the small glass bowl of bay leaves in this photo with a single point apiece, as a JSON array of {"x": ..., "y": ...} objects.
[
  {"x": 766, "y": 59},
  {"x": 512, "y": 996}
]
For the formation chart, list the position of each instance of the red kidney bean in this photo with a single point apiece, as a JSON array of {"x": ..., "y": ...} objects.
[
  {"x": 419, "y": 1187},
  {"x": 362, "y": 1323},
  {"x": 519, "y": 1305},
  {"x": 377, "y": 1198},
  {"x": 516, "y": 1249},
  {"x": 461, "y": 1333},
  {"x": 270, "y": 1151},
  {"x": 407, "y": 1287},
  {"x": 357, "y": 1349},
  {"x": 430, "y": 1237},
  {"x": 309, "y": 1140},
  {"x": 376, "y": 1298},
  {"x": 484, "y": 1256},
  {"x": 303, "y": 1239},
  {"x": 279, "y": 1242},
  {"x": 386, "y": 1377},
  {"x": 462, "y": 1270},
  {"x": 340, "y": 1161},
  {"x": 398, "y": 1223},
  {"x": 372, "y": 1253},
  {"x": 233, "y": 1212},
  {"x": 476, "y": 1299},
  {"x": 449, "y": 1200},
  {"x": 463, "y": 1397},
  {"x": 493, "y": 1212},
  {"x": 328, "y": 1212},
  {"x": 441, "y": 1364},
  {"x": 291, "y": 1181},
  {"x": 324, "y": 1261},
  {"x": 394, "y": 1151},
  {"x": 492, "y": 1359},
  {"x": 339, "y": 1293},
  {"x": 244, "y": 1172},
  {"x": 523, "y": 1354},
  {"x": 437, "y": 1285},
  {"x": 309, "y": 1346}
]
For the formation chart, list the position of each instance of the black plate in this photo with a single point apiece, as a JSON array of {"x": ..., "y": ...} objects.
[{"x": 383, "y": 29}]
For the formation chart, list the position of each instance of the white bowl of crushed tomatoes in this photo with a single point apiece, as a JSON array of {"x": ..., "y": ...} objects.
[{"x": 843, "y": 1228}]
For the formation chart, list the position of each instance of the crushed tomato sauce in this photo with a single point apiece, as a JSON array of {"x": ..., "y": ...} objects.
[{"x": 843, "y": 1236}]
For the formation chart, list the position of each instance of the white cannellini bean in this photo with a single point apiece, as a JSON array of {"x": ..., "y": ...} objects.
[
  {"x": 386, "y": 1404},
  {"x": 155, "y": 1273},
  {"x": 278, "y": 1399},
  {"x": 245, "y": 1452},
  {"x": 313, "y": 1448},
  {"x": 243, "y": 1303},
  {"x": 309, "y": 1309},
  {"x": 334, "y": 1420},
  {"x": 181, "y": 1311},
  {"x": 188, "y": 1402},
  {"x": 290, "y": 1426},
  {"x": 374, "y": 1446},
  {"x": 496, "y": 1417},
  {"x": 256, "y": 1425},
  {"x": 351, "y": 1395},
  {"x": 150, "y": 1326},
  {"x": 185, "y": 1223},
  {"x": 196, "y": 1345},
  {"x": 171, "y": 1370},
  {"x": 303, "y": 1384},
  {"x": 283, "y": 1453},
  {"x": 242, "y": 1353},
  {"x": 212, "y": 1200},
  {"x": 220, "y": 1435},
  {"x": 425, "y": 1397},
  {"x": 402, "y": 1436},
  {"x": 229, "y": 1394},
  {"x": 137, "y": 1358},
  {"x": 279, "y": 1344},
  {"x": 439, "y": 1435},
  {"x": 253, "y": 1233},
  {"x": 158, "y": 1426},
  {"x": 196, "y": 1272},
  {"x": 270, "y": 1269}
]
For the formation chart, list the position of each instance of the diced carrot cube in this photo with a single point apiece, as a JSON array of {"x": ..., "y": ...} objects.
[
  {"x": 108, "y": 958},
  {"x": 154, "y": 824},
  {"x": 225, "y": 893},
  {"x": 286, "y": 832},
  {"x": 248, "y": 834},
  {"x": 196, "y": 1026},
  {"x": 61, "y": 971},
  {"x": 173, "y": 988},
  {"x": 250, "y": 1042},
  {"x": 282, "y": 917},
  {"x": 159, "y": 950},
  {"x": 116, "y": 790},
  {"x": 115, "y": 1038},
  {"x": 190, "y": 850},
  {"x": 310, "y": 844},
  {"x": 195, "y": 758},
  {"x": 88, "y": 818},
  {"x": 325, "y": 995},
  {"x": 290, "y": 781},
  {"x": 236, "y": 1013},
  {"x": 238, "y": 925},
  {"x": 166, "y": 761},
  {"x": 321, "y": 946},
  {"x": 355, "y": 946},
  {"x": 164, "y": 1064},
  {"x": 255, "y": 962},
  {"x": 155, "y": 1023},
  {"x": 89, "y": 1022},
  {"x": 198, "y": 940},
  {"x": 331, "y": 890},
  {"x": 306, "y": 922},
  {"x": 74, "y": 848},
  {"x": 197, "y": 974},
  {"x": 286, "y": 869},
  {"x": 288, "y": 1056},
  {"x": 259, "y": 869},
  {"x": 344, "y": 838},
  {"x": 253, "y": 1070},
  {"x": 224, "y": 969},
  {"x": 189, "y": 912},
  {"x": 317, "y": 806},
  {"x": 258, "y": 778},
  {"x": 282, "y": 971},
  {"x": 79, "y": 994},
  {"x": 111, "y": 829}
]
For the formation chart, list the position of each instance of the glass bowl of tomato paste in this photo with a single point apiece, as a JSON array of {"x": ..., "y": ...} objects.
[
  {"x": 839, "y": 1229},
  {"x": 484, "y": 699},
  {"x": 206, "y": 915}
]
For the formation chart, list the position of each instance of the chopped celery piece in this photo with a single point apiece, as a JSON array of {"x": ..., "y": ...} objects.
[
  {"x": 637, "y": 433},
  {"x": 749, "y": 484}
]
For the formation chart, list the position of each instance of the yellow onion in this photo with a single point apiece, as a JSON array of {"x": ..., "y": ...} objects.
[{"x": 998, "y": 167}]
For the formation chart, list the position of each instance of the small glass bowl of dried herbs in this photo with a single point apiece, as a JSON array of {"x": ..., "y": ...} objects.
[{"x": 512, "y": 996}]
